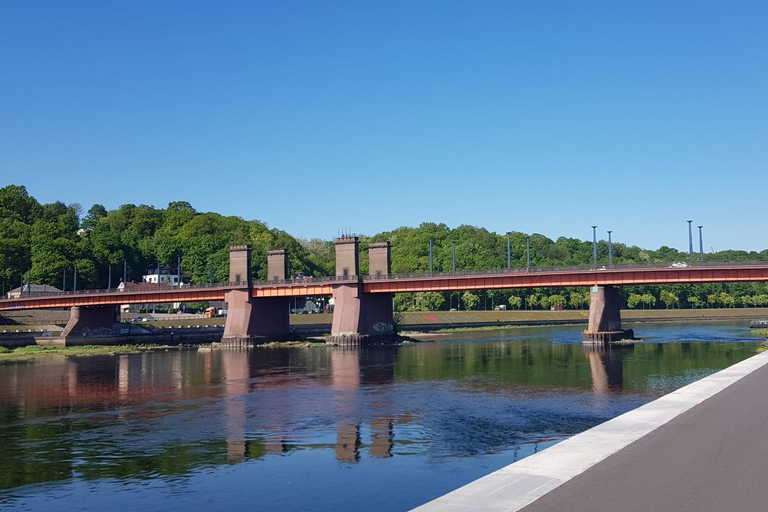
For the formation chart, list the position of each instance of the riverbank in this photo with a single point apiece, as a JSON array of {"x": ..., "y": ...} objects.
[
  {"x": 421, "y": 326},
  {"x": 33, "y": 351},
  {"x": 31, "y": 321}
]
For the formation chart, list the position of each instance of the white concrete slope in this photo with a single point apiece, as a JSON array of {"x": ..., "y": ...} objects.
[{"x": 521, "y": 483}]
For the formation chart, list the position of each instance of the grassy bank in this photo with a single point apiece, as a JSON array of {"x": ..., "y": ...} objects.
[
  {"x": 474, "y": 317},
  {"x": 33, "y": 351}
]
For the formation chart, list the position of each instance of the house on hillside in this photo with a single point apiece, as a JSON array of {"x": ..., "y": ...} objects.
[
  {"x": 166, "y": 276},
  {"x": 144, "y": 287},
  {"x": 32, "y": 290}
]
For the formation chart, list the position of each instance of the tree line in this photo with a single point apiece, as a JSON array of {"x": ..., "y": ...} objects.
[{"x": 48, "y": 240}]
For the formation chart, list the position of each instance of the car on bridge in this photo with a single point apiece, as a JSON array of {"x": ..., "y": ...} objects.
[{"x": 678, "y": 264}]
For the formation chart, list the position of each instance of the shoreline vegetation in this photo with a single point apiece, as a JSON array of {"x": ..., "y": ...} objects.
[{"x": 33, "y": 351}]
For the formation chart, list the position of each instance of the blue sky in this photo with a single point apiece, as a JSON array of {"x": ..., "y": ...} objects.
[{"x": 532, "y": 116}]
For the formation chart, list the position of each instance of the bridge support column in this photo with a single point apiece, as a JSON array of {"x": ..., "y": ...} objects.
[
  {"x": 605, "y": 317},
  {"x": 254, "y": 320},
  {"x": 85, "y": 321},
  {"x": 360, "y": 318},
  {"x": 249, "y": 319}
]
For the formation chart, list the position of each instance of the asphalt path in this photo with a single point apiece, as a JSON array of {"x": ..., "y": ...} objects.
[{"x": 713, "y": 457}]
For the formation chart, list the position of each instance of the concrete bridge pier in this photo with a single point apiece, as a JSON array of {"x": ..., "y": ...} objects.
[
  {"x": 87, "y": 321},
  {"x": 605, "y": 317},
  {"x": 360, "y": 318},
  {"x": 250, "y": 319}
]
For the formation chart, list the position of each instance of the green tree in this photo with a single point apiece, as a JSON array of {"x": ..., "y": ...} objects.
[
  {"x": 669, "y": 299},
  {"x": 428, "y": 301},
  {"x": 649, "y": 300},
  {"x": 557, "y": 300},
  {"x": 576, "y": 300},
  {"x": 634, "y": 300},
  {"x": 470, "y": 300},
  {"x": 515, "y": 301}
]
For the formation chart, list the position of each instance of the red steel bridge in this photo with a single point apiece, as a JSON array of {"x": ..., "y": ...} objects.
[
  {"x": 363, "y": 304},
  {"x": 544, "y": 277}
]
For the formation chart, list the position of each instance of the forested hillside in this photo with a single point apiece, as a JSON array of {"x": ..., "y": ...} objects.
[{"x": 49, "y": 239}]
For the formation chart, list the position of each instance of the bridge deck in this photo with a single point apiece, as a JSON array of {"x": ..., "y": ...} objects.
[{"x": 653, "y": 273}]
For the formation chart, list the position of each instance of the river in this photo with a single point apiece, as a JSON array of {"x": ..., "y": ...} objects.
[{"x": 323, "y": 428}]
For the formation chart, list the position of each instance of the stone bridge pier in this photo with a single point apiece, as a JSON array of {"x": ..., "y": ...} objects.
[
  {"x": 85, "y": 321},
  {"x": 253, "y": 320},
  {"x": 605, "y": 317},
  {"x": 358, "y": 317}
]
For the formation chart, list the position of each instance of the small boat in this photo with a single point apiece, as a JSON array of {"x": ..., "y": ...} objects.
[{"x": 758, "y": 324}]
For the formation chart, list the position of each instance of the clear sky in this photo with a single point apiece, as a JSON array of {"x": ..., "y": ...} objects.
[{"x": 534, "y": 116}]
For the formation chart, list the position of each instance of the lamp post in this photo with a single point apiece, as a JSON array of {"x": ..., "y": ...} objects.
[
  {"x": 610, "y": 250},
  {"x": 210, "y": 270},
  {"x": 109, "y": 279},
  {"x": 74, "y": 280},
  {"x": 509, "y": 254},
  {"x": 690, "y": 240},
  {"x": 453, "y": 256},
  {"x": 701, "y": 245},
  {"x": 527, "y": 252},
  {"x": 125, "y": 274},
  {"x": 594, "y": 245},
  {"x": 64, "y": 281},
  {"x": 430, "y": 255}
]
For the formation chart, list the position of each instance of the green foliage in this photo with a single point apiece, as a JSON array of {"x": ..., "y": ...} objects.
[
  {"x": 470, "y": 300},
  {"x": 48, "y": 239},
  {"x": 428, "y": 301},
  {"x": 634, "y": 300}
]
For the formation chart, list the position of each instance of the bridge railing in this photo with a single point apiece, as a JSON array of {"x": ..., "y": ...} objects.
[
  {"x": 568, "y": 268},
  {"x": 425, "y": 275},
  {"x": 165, "y": 288}
]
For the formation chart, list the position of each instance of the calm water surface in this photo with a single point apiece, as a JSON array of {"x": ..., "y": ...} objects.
[{"x": 322, "y": 428}]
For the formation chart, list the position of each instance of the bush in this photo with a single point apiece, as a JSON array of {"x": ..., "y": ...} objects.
[{"x": 5, "y": 350}]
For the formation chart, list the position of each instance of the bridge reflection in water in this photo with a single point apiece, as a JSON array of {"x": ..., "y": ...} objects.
[{"x": 170, "y": 413}]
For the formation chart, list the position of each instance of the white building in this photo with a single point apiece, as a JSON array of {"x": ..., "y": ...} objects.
[{"x": 166, "y": 276}]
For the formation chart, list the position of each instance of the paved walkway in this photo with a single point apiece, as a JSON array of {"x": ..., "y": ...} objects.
[{"x": 702, "y": 448}]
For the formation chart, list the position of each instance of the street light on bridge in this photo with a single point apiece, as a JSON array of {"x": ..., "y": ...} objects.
[
  {"x": 594, "y": 245},
  {"x": 701, "y": 245},
  {"x": 509, "y": 253},
  {"x": 690, "y": 240},
  {"x": 430, "y": 255},
  {"x": 527, "y": 252},
  {"x": 610, "y": 250}
]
